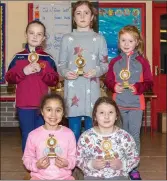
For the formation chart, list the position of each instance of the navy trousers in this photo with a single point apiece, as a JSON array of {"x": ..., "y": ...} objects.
[{"x": 29, "y": 119}]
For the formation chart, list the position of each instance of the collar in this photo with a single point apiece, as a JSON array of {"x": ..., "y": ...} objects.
[
  {"x": 37, "y": 49},
  {"x": 132, "y": 55}
]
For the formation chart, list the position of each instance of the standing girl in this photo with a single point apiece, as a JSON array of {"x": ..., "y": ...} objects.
[
  {"x": 129, "y": 76},
  {"x": 83, "y": 59},
  {"x": 50, "y": 152},
  {"x": 32, "y": 70},
  {"x": 106, "y": 151}
]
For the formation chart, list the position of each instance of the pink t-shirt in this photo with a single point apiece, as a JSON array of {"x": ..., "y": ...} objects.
[{"x": 37, "y": 147}]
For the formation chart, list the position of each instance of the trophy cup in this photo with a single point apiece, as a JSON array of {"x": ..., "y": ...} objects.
[
  {"x": 80, "y": 63},
  {"x": 33, "y": 57},
  {"x": 125, "y": 75},
  {"x": 51, "y": 144},
  {"x": 107, "y": 146}
]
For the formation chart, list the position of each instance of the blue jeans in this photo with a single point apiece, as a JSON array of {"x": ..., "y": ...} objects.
[
  {"x": 75, "y": 124},
  {"x": 29, "y": 119}
]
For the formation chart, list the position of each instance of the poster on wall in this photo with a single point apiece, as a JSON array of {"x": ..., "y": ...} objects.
[
  {"x": 57, "y": 19},
  {"x": 112, "y": 17},
  {"x": 2, "y": 43}
]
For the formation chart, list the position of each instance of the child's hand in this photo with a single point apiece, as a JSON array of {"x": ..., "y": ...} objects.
[
  {"x": 36, "y": 67},
  {"x": 119, "y": 88},
  {"x": 98, "y": 164},
  {"x": 29, "y": 69},
  {"x": 43, "y": 163},
  {"x": 61, "y": 162},
  {"x": 116, "y": 164},
  {"x": 90, "y": 73},
  {"x": 71, "y": 75},
  {"x": 132, "y": 88}
]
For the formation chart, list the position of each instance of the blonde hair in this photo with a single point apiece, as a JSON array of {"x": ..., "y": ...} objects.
[{"x": 133, "y": 30}]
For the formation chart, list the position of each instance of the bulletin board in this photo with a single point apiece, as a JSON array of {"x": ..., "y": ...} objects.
[
  {"x": 114, "y": 16},
  {"x": 111, "y": 18},
  {"x": 57, "y": 19},
  {"x": 2, "y": 43}
]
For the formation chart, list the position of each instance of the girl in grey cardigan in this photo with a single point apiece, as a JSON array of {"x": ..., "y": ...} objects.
[{"x": 83, "y": 59}]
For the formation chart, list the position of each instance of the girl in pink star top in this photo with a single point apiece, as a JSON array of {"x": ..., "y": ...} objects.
[
  {"x": 50, "y": 152},
  {"x": 83, "y": 59}
]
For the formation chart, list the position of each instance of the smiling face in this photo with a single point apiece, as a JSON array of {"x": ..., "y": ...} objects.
[
  {"x": 105, "y": 116},
  {"x": 35, "y": 35},
  {"x": 127, "y": 43},
  {"x": 83, "y": 17},
  {"x": 52, "y": 113}
]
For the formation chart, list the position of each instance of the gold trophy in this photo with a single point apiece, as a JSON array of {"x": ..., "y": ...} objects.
[
  {"x": 33, "y": 57},
  {"x": 125, "y": 75},
  {"x": 107, "y": 146},
  {"x": 51, "y": 144},
  {"x": 80, "y": 63}
]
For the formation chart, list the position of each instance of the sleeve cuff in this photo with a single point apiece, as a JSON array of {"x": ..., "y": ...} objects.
[
  {"x": 34, "y": 166},
  {"x": 71, "y": 165},
  {"x": 124, "y": 166},
  {"x": 90, "y": 165},
  {"x": 21, "y": 73},
  {"x": 115, "y": 87},
  {"x": 134, "y": 89}
]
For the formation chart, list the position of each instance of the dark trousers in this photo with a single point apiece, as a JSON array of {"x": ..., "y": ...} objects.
[
  {"x": 29, "y": 119},
  {"x": 75, "y": 124}
]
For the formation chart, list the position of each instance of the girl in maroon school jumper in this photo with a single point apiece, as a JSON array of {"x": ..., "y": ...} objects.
[
  {"x": 32, "y": 70},
  {"x": 129, "y": 76}
]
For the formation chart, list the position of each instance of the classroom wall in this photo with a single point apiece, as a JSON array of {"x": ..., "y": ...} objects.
[{"x": 16, "y": 21}]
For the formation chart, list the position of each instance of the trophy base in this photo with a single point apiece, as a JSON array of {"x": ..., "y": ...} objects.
[
  {"x": 126, "y": 87},
  {"x": 108, "y": 158},
  {"x": 80, "y": 73},
  {"x": 52, "y": 155}
]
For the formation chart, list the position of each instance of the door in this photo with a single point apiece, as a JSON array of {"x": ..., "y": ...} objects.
[{"x": 159, "y": 60}]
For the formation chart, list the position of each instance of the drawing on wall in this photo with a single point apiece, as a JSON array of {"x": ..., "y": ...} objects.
[
  {"x": 112, "y": 17},
  {"x": 57, "y": 19},
  {"x": 2, "y": 43}
]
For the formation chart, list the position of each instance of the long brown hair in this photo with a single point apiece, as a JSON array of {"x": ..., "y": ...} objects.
[
  {"x": 107, "y": 100},
  {"x": 92, "y": 9},
  {"x": 133, "y": 30}
]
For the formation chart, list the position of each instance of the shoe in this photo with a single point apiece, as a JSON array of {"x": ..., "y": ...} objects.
[{"x": 134, "y": 175}]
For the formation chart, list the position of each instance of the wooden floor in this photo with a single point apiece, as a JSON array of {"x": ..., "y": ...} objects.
[{"x": 152, "y": 165}]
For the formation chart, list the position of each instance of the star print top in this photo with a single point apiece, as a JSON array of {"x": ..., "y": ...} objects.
[
  {"x": 40, "y": 143},
  {"x": 91, "y": 146},
  {"x": 81, "y": 93}
]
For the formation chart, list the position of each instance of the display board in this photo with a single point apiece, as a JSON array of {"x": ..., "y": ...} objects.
[
  {"x": 111, "y": 18},
  {"x": 114, "y": 16},
  {"x": 57, "y": 19},
  {"x": 2, "y": 43}
]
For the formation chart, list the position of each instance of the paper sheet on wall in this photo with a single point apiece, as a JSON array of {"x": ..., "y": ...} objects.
[{"x": 57, "y": 19}]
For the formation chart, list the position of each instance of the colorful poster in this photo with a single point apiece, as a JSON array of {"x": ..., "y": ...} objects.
[
  {"x": 111, "y": 20},
  {"x": 2, "y": 43}
]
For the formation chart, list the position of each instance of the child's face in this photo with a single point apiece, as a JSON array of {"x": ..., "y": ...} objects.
[
  {"x": 35, "y": 35},
  {"x": 127, "y": 43},
  {"x": 83, "y": 17},
  {"x": 106, "y": 115},
  {"x": 52, "y": 113}
]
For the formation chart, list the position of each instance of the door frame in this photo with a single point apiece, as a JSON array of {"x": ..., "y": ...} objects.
[{"x": 155, "y": 61}]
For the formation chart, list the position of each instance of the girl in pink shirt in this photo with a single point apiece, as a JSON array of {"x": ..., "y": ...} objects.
[{"x": 50, "y": 152}]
